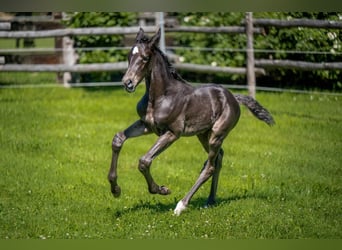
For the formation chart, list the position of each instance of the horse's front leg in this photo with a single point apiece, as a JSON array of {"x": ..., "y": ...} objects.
[
  {"x": 163, "y": 142},
  {"x": 136, "y": 129}
]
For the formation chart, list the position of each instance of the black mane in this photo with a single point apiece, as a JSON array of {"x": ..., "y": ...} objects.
[{"x": 173, "y": 72}]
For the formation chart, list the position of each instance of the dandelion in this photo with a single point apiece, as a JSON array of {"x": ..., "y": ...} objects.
[{"x": 42, "y": 237}]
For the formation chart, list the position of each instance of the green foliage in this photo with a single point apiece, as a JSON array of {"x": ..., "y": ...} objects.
[
  {"x": 281, "y": 40},
  {"x": 220, "y": 41},
  {"x": 304, "y": 39},
  {"x": 100, "y": 19},
  {"x": 282, "y": 182}
]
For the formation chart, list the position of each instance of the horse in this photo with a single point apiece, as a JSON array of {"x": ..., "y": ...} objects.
[{"x": 171, "y": 108}]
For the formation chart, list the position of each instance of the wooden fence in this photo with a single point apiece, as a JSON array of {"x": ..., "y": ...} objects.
[{"x": 249, "y": 26}]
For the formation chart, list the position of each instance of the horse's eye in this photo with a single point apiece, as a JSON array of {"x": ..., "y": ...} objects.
[{"x": 146, "y": 58}]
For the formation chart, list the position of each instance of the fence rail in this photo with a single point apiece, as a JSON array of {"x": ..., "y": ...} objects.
[
  {"x": 74, "y": 32},
  {"x": 300, "y": 65},
  {"x": 79, "y": 68},
  {"x": 294, "y": 23},
  {"x": 119, "y": 31},
  {"x": 118, "y": 66}
]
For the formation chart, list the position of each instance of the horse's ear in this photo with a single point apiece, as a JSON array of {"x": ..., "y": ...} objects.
[
  {"x": 155, "y": 39},
  {"x": 140, "y": 35}
]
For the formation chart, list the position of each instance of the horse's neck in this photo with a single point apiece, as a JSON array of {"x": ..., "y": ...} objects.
[{"x": 159, "y": 77}]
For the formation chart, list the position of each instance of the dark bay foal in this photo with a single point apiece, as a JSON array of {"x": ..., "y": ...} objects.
[{"x": 172, "y": 108}]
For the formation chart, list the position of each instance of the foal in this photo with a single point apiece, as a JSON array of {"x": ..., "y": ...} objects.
[{"x": 172, "y": 108}]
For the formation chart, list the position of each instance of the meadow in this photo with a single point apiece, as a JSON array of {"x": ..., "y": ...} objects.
[{"x": 282, "y": 182}]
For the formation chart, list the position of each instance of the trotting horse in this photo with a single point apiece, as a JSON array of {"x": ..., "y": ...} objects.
[{"x": 172, "y": 108}]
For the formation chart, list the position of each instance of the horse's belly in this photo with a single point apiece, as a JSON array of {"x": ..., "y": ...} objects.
[{"x": 196, "y": 126}]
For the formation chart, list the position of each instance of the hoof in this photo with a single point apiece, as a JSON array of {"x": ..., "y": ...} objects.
[
  {"x": 210, "y": 203},
  {"x": 164, "y": 190},
  {"x": 116, "y": 191},
  {"x": 179, "y": 208}
]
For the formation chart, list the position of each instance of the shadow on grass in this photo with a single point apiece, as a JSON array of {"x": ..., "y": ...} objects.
[
  {"x": 195, "y": 204},
  {"x": 145, "y": 206},
  {"x": 305, "y": 116},
  {"x": 222, "y": 201},
  {"x": 91, "y": 88}
]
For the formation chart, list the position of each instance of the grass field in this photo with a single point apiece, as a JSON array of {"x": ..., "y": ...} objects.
[
  {"x": 55, "y": 149},
  {"x": 39, "y": 43}
]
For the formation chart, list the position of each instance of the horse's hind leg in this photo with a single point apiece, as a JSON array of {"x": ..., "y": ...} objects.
[
  {"x": 136, "y": 129},
  {"x": 214, "y": 182},
  {"x": 204, "y": 139},
  {"x": 214, "y": 147}
]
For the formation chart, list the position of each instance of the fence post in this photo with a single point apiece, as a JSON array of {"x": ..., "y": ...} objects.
[
  {"x": 161, "y": 22},
  {"x": 250, "y": 55},
  {"x": 69, "y": 58}
]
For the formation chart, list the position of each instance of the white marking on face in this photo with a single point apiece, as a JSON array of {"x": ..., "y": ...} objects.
[{"x": 135, "y": 50}]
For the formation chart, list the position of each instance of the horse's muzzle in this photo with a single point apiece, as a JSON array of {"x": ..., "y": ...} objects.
[{"x": 129, "y": 86}]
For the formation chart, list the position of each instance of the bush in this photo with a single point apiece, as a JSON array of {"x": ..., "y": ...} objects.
[
  {"x": 280, "y": 40},
  {"x": 218, "y": 41}
]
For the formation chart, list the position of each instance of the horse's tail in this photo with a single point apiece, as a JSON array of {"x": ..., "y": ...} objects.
[{"x": 257, "y": 110}]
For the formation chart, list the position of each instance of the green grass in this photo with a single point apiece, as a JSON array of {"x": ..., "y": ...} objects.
[
  {"x": 38, "y": 42},
  {"x": 55, "y": 150},
  {"x": 24, "y": 78}
]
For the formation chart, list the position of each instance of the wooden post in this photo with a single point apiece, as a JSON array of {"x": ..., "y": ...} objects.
[
  {"x": 5, "y": 26},
  {"x": 160, "y": 18},
  {"x": 69, "y": 58},
  {"x": 59, "y": 55},
  {"x": 250, "y": 55}
]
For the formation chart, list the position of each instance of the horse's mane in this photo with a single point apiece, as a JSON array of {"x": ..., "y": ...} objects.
[{"x": 173, "y": 72}]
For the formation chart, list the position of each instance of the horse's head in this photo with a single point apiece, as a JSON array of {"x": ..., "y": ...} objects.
[{"x": 139, "y": 59}]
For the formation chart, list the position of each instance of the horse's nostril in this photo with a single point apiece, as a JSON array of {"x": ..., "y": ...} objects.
[{"x": 129, "y": 86}]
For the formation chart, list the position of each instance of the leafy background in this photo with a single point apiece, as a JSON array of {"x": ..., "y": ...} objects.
[
  {"x": 100, "y": 19},
  {"x": 278, "y": 40}
]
